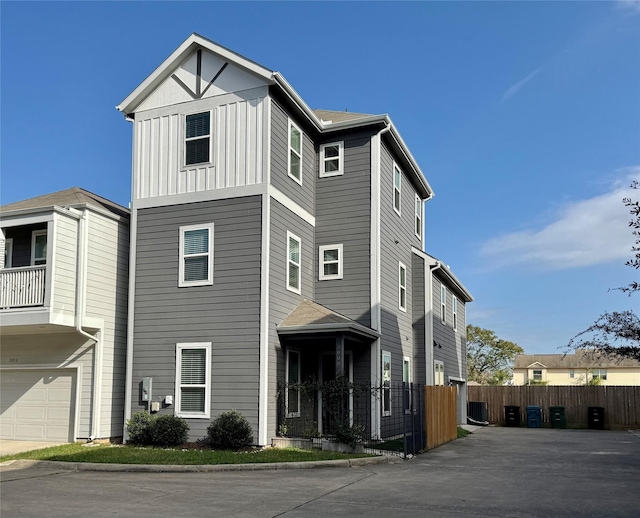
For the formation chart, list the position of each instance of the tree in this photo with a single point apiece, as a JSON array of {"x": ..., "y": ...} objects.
[
  {"x": 489, "y": 358},
  {"x": 617, "y": 334}
]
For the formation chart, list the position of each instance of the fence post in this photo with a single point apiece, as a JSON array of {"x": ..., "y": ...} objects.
[{"x": 404, "y": 417}]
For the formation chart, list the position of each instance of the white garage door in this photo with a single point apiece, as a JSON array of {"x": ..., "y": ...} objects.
[{"x": 37, "y": 405}]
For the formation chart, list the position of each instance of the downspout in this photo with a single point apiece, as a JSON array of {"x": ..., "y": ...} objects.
[{"x": 79, "y": 310}]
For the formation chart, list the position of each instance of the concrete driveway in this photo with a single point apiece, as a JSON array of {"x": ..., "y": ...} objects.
[
  {"x": 8, "y": 447},
  {"x": 494, "y": 472}
]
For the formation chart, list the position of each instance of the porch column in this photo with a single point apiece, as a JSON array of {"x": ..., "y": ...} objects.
[{"x": 339, "y": 356}]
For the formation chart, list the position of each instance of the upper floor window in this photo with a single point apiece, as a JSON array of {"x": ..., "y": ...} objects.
[
  {"x": 418, "y": 228},
  {"x": 572, "y": 373},
  {"x": 38, "y": 247},
  {"x": 193, "y": 380},
  {"x": 537, "y": 374},
  {"x": 397, "y": 188},
  {"x": 386, "y": 383},
  {"x": 438, "y": 372},
  {"x": 454, "y": 308},
  {"x": 8, "y": 252},
  {"x": 331, "y": 159},
  {"x": 294, "y": 246},
  {"x": 330, "y": 262},
  {"x": 443, "y": 303},
  {"x": 197, "y": 138},
  {"x": 295, "y": 152},
  {"x": 196, "y": 255},
  {"x": 402, "y": 287}
]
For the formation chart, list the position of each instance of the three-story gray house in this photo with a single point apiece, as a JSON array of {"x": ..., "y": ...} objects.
[{"x": 271, "y": 242}]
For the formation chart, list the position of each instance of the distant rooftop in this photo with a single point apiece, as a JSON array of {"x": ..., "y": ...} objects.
[
  {"x": 67, "y": 198},
  {"x": 334, "y": 116},
  {"x": 579, "y": 360}
]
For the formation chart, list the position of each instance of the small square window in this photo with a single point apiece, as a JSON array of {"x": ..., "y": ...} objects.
[
  {"x": 193, "y": 380},
  {"x": 572, "y": 373},
  {"x": 196, "y": 255},
  {"x": 331, "y": 159},
  {"x": 397, "y": 188},
  {"x": 330, "y": 262},
  {"x": 295, "y": 153},
  {"x": 294, "y": 251},
  {"x": 402, "y": 287},
  {"x": 197, "y": 138}
]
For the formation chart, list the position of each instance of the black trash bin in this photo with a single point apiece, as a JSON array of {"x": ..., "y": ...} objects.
[
  {"x": 534, "y": 416},
  {"x": 557, "y": 417},
  {"x": 512, "y": 415},
  {"x": 595, "y": 418},
  {"x": 478, "y": 411}
]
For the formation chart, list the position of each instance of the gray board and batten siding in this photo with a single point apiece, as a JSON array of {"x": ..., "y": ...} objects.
[
  {"x": 397, "y": 237},
  {"x": 343, "y": 216},
  {"x": 282, "y": 301},
  {"x": 227, "y": 314}
]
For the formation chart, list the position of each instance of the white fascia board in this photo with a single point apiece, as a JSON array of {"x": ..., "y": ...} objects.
[
  {"x": 17, "y": 218},
  {"x": 297, "y": 100},
  {"x": 177, "y": 56},
  {"x": 418, "y": 174},
  {"x": 435, "y": 264}
]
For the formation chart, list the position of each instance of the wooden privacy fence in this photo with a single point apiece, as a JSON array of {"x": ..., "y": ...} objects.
[
  {"x": 621, "y": 404},
  {"x": 441, "y": 421}
]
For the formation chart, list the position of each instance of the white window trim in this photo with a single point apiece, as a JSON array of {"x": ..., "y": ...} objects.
[
  {"x": 209, "y": 280},
  {"x": 386, "y": 412},
  {"x": 454, "y": 308},
  {"x": 290, "y": 149},
  {"x": 286, "y": 392},
  {"x": 8, "y": 250},
  {"x": 321, "y": 262},
  {"x": 600, "y": 374},
  {"x": 207, "y": 387},
  {"x": 340, "y": 158},
  {"x": 299, "y": 265},
  {"x": 443, "y": 304},
  {"x": 402, "y": 288},
  {"x": 418, "y": 221},
  {"x": 407, "y": 361},
  {"x": 438, "y": 374},
  {"x": 185, "y": 140},
  {"x": 572, "y": 373},
  {"x": 398, "y": 209},
  {"x": 34, "y": 234}
]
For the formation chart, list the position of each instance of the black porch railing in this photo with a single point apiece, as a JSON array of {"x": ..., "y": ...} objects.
[{"x": 343, "y": 410}]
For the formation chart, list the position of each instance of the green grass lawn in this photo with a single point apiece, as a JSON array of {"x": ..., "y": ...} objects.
[{"x": 118, "y": 454}]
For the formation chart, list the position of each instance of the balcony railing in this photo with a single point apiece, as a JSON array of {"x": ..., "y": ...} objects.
[{"x": 22, "y": 287}]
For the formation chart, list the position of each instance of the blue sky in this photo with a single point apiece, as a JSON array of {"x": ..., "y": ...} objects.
[{"x": 524, "y": 116}]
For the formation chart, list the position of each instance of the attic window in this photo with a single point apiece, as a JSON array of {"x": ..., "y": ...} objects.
[{"x": 197, "y": 138}]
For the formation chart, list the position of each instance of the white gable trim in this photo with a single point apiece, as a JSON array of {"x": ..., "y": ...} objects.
[{"x": 536, "y": 364}]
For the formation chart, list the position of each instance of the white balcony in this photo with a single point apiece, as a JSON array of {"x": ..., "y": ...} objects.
[{"x": 22, "y": 287}]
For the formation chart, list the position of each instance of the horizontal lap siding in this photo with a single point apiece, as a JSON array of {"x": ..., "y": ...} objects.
[
  {"x": 282, "y": 301},
  {"x": 396, "y": 239},
  {"x": 343, "y": 216},
  {"x": 301, "y": 194},
  {"x": 226, "y": 314},
  {"x": 65, "y": 264},
  {"x": 453, "y": 350},
  {"x": 419, "y": 310}
]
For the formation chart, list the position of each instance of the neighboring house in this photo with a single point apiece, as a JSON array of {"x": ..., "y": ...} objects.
[
  {"x": 272, "y": 243},
  {"x": 580, "y": 368},
  {"x": 63, "y": 310}
]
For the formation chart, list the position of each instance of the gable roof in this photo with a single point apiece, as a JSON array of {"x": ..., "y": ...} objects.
[
  {"x": 195, "y": 41},
  {"x": 330, "y": 116},
  {"x": 443, "y": 271},
  {"x": 311, "y": 317},
  {"x": 75, "y": 196},
  {"x": 582, "y": 359}
]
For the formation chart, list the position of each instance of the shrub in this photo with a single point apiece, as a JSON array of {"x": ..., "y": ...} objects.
[
  {"x": 230, "y": 431},
  {"x": 348, "y": 434},
  {"x": 139, "y": 428},
  {"x": 169, "y": 430}
]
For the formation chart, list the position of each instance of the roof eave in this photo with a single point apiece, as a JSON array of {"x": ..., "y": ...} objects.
[
  {"x": 329, "y": 328},
  {"x": 433, "y": 262}
]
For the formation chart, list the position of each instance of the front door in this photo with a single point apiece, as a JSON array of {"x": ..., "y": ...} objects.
[{"x": 336, "y": 399}]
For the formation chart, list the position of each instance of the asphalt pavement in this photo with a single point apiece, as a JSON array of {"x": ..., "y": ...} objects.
[{"x": 494, "y": 472}]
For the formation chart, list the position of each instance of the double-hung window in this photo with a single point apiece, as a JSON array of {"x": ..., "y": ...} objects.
[
  {"x": 197, "y": 138},
  {"x": 293, "y": 384},
  {"x": 406, "y": 379},
  {"x": 537, "y": 374},
  {"x": 402, "y": 287},
  {"x": 454, "y": 308},
  {"x": 599, "y": 374},
  {"x": 196, "y": 255},
  {"x": 330, "y": 261},
  {"x": 397, "y": 188},
  {"x": 295, "y": 153},
  {"x": 418, "y": 229},
  {"x": 331, "y": 159},
  {"x": 438, "y": 372},
  {"x": 386, "y": 383},
  {"x": 38, "y": 247},
  {"x": 8, "y": 252},
  {"x": 443, "y": 303},
  {"x": 294, "y": 251},
  {"x": 193, "y": 379}
]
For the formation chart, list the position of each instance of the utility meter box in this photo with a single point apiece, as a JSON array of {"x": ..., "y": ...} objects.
[{"x": 146, "y": 389}]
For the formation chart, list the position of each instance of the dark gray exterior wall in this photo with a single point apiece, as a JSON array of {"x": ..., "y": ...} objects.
[
  {"x": 396, "y": 239},
  {"x": 302, "y": 194},
  {"x": 226, "y": 314},
  {"x": 419, "y": 309},
  {"x": 343, "y": 216},
  {"x": 282, "y": 301}
]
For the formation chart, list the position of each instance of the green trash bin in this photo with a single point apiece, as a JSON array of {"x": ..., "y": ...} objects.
[{"x": 557, "y": 417}]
